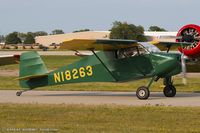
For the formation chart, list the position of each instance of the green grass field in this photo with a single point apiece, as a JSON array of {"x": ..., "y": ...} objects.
[{"x": 91, "y": 119}]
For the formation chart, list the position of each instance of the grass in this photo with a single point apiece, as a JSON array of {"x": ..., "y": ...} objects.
[{"x": 80, "y": 118}]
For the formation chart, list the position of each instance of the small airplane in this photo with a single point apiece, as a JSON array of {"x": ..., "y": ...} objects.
[
  {"x": 116, "y": 61},
  {"x": 9, "y": 59}
]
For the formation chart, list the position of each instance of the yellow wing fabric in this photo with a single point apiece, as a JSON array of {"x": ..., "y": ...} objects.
[
  {"x": 172, "y": 45},
  {"x": 98, "y": 44}
]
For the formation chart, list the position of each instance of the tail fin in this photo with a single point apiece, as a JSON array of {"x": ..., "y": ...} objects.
[{"x": 31, "y": 67}]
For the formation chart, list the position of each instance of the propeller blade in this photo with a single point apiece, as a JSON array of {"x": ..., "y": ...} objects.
[{"x": 183, "y": 65}]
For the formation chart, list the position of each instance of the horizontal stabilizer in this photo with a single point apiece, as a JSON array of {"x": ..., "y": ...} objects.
[
  {"x": 98, "y": 44},
  {"x": 32, "y": 77}
]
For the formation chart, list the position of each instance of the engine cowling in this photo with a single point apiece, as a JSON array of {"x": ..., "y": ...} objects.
[{"x": 190, "y": 33}]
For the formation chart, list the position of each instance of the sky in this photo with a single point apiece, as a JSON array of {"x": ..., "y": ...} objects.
[{"x": 71, "y": 15}]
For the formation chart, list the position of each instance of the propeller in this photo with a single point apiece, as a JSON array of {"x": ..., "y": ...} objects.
[
  {"x": 184, "y": 69},
  {"x": 188, "y": 35}
]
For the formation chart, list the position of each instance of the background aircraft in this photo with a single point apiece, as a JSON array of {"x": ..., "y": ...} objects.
[{"x": 9, "y": 59}]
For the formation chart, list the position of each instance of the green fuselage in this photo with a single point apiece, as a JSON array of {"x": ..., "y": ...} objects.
[{"x": 109, "y": 67}]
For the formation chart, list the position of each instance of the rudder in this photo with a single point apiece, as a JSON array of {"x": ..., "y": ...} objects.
[{"x": 31, "y": 67}]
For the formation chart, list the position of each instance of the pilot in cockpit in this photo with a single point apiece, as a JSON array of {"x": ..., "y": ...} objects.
[{"x": 126, "y": 53}]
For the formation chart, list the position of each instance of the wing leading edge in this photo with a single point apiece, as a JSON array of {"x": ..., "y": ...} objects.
[
  {"x": 115, "y": 44},
  {"x": 169, "y": 45},
  {"x": 98, "y": 44}
]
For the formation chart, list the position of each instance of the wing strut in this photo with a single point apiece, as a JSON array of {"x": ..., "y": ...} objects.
[{"x": 103, "y": 64}]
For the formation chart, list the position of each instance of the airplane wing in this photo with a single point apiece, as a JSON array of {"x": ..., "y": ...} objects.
[
  {"x": 9, "y": 59},
  {"x": 169, "y": 45},
  {"x": 98, "y": 44}
]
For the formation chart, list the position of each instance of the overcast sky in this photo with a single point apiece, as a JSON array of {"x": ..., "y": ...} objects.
[{"x": 70, "y": 15}]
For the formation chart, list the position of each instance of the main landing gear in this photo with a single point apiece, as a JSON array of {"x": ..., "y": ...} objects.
[
  {"x": 169, "y": 90},
  {"x": 143, "y": 92}
]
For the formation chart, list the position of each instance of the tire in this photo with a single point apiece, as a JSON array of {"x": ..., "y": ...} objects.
[
  {"x": 142, "y": 93},
  {"x": 169, "y": 91}
]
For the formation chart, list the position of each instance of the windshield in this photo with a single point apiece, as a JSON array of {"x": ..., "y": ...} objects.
[
  {"x": 150, "y": 47},
  {"x": 130, "y": 52}
]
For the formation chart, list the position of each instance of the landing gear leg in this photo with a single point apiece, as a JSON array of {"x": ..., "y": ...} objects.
[
  {"x": 143, "y": 92},
  {"x": 169, "y": 90}
]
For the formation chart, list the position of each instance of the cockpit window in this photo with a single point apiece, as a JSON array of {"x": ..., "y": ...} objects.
[
  {"x": 150, "y": 47},
  {"x": 130, "y": 52}
]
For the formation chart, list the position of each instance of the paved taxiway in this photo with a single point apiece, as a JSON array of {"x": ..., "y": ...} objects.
[{"x": 99, "y": 98}]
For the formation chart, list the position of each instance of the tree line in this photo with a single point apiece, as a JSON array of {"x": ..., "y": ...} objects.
[
  {"x": 119, "y": 30},
  {"x": 26, "y": 38}
]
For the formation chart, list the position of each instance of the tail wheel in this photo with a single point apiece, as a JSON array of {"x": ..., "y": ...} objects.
[
  {"x": 190, "y": 33},
  {"x": 169, "y": 91},
  {"x": 142, "y": 93},
  {"x": 19, "y": 93}
]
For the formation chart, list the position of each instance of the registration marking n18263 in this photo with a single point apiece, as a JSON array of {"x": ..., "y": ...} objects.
[{"x": 73, "y": 74}]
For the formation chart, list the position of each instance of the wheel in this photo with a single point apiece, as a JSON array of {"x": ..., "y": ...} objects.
[
  {"x": 18, "y": 93},
  {"x": 169, "y": 91},
  {"x": 142, "y": 93}
]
